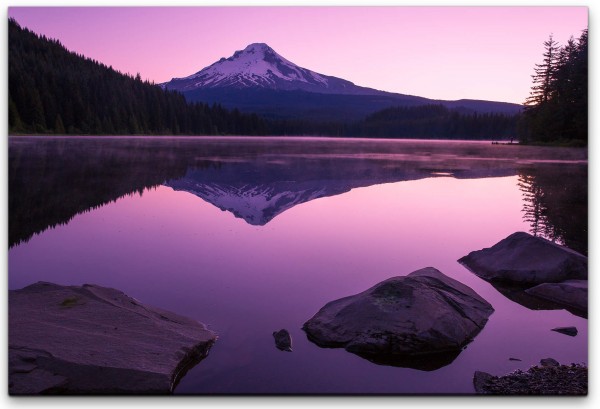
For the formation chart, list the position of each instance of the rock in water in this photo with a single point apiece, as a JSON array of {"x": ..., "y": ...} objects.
[
  {"x": 283, "y": 340},
  {"x": 403, "y": 320},
  {"x": 572, "y": 294},
  {"x": 570, "y": 331},
  {"x": 97, "y": 340},
  {"x": 524, "y": 259}
]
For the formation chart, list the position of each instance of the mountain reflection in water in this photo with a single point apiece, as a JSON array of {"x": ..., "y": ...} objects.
[{"x": 53, "y": 179}]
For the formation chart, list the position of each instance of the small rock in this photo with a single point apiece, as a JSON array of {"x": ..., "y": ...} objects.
[
  {"x": 570, "y": 331},
  {"x": 514, "y": 359},
  {"x": 549, "y": 362},
  {"x": 283, "y": 340}
]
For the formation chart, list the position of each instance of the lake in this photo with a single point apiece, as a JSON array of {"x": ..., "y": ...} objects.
[{"x": 251, "y": 235}]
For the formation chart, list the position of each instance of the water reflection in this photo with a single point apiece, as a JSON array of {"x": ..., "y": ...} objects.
[
  {"x": 520, "y": 296},
  {"x": 555, "y": 204},
  {"x": 176, "y": 251},
  {"x": 260, "y": 189},
  {"x": 428, "y": 362},
  {"x": 53, "y": 179}
]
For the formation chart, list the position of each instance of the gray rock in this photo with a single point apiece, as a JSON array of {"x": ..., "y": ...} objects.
[
  {"x": 97, "y": 340},
  {"x": 421, "y": 314},
  {"x": 570, "y": 331},
  {"x": 524, "y": 259},
  {"x": 481, "y": 381},
  {"x": 549, "y": 379},
  {"x": 570, "y": 294},
  {"x": 283, "y": 340},
  {"x": 549, "y": 362}
]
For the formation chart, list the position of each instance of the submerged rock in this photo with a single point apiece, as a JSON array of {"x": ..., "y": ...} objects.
[
  {"x": 524, "y": 259},
  {"x": 97, "y": 340},
  {"x": 421, "y": 320},
  {"x": 571, "y": 294},
  {"x": 570, "y": 331},
  {"x": 283, "y": 340}
]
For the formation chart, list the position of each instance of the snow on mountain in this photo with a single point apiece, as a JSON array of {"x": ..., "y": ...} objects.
[
  {"x": 256, "y": 63},
  {"x": 259, "y": 66}
]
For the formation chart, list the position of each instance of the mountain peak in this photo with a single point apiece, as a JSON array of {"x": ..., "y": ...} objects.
[
  {"x": 258, "y": 66},
  {"x": 258, "y": 46}
]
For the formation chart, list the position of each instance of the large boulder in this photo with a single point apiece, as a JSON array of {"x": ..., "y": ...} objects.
[
  {"x": 403, "y": 319},
  {"x": 526, "y": 260},
  {"x": 97, "y": 340},
  {"x": 571, "y": 294}
]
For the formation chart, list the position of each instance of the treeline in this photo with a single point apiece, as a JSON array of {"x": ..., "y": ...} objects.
[
  {"x": 55, "y": 91},
  {"x": 557, "y": 108},
  {"x": 416, "y": 122},
  {"x": 437, "y": 122}
]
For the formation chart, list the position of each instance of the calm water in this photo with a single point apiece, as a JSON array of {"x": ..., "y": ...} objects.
[{"x": 250, "y": 236}]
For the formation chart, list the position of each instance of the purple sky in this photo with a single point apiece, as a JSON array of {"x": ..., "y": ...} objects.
[{"x": 435, "y": 52}]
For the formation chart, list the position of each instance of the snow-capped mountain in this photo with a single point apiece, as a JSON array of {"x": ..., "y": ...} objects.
[
  {"x": 259, "y": 66},
  {"x": 259, "y": 80}
]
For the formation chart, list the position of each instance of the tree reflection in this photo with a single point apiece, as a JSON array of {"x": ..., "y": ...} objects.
[{"x": 555, "y": 203}]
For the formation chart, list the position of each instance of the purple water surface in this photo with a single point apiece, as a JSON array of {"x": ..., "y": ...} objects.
[{"x": 171, "y": 249}]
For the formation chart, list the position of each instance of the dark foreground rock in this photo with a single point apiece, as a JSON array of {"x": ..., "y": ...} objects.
[
  {"x": 97, "y": 340},
  {"x": 546, "y": 379},
  {"x": 421, "y": 320},
  {"x": 283, "y": 340},
  {"x": 524, "y": 259},
  {"x": 571, "y": 294}
]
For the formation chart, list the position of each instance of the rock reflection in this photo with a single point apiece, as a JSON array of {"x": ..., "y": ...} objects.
[
  {"x": 519, "y": 295},
  {"x": 430, "y": 362}
]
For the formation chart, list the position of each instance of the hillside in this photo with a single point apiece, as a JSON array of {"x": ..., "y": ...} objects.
[{"x": 55, "y": 91}]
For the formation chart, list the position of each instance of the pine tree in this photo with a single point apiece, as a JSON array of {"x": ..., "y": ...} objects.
[
  {"x": 556, "y": 109},
  {"x": 542, "y": 90}
]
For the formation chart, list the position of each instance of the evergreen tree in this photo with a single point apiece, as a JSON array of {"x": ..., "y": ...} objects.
[
  {"x": 542, "y": 88},
  {"x": 556, "y": 109}
]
